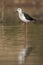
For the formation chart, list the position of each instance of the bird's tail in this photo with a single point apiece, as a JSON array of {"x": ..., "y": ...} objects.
[{"x": 35, "y": 21}]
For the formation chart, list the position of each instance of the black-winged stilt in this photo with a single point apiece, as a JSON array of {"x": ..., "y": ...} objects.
[
  {"x": 26, "y": 51},
  {"x": 25, "y": 18}
]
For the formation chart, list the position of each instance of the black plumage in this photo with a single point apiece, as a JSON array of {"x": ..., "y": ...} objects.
[{"x": 28, "y": 17}]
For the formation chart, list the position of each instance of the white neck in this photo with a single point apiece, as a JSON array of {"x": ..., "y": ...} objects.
[{"x": 19, "y": 11}]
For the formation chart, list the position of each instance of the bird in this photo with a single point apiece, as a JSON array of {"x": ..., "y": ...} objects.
[
  {"x": 23, "y": 54},
  {"x": 24, "y": 16}
]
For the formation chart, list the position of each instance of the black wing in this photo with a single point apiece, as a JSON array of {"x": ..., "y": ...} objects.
[{"x": 28, "y": 17}]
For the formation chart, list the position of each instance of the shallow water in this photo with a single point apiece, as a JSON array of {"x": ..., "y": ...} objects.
[{"x": 12, "y": 40}]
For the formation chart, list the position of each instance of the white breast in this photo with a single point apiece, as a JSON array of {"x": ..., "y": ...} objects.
[{"x": 21, "y": 16}]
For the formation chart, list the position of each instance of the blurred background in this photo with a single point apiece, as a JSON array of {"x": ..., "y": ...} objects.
[{"x": 12, "y": 31}]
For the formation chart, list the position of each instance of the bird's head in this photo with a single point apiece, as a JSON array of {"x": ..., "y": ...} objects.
[{"x": 19, "y": 10}]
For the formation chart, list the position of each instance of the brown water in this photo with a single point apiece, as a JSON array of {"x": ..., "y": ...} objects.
[{"x": 12, "y": 40}]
